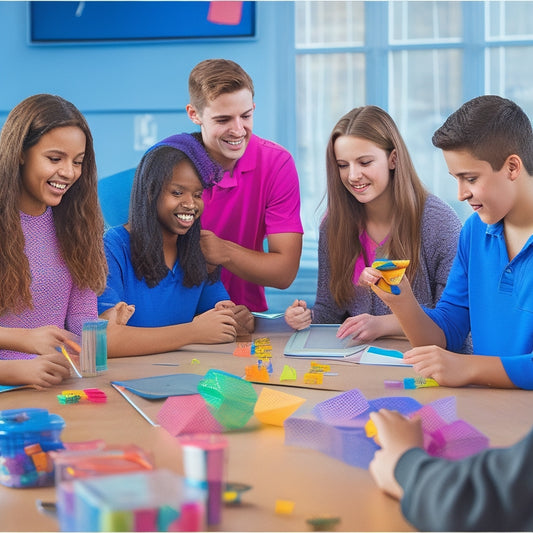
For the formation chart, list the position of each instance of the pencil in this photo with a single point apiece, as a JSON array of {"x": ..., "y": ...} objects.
[
  {"x": 120, "y": 390},
  {"x": 65, "y": 353}
]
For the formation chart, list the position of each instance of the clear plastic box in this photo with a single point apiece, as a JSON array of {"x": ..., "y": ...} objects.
[{"x": 157, "y": 500}]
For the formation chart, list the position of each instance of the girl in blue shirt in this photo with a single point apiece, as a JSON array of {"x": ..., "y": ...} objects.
[{"x": 156, "y": 266}]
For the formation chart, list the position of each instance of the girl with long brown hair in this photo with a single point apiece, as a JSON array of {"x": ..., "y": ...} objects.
[
  {"x": 52, "y": 261},
  {"x": 376, "y": 207}
]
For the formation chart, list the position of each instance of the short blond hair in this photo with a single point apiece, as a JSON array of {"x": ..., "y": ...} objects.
[{"x": 212, "y": 77}]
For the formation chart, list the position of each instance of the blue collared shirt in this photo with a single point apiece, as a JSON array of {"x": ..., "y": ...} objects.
[{"x": 492, "y": 297}]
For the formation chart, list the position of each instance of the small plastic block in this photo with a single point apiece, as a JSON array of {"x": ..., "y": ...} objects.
[
  {"x": 41, "y": 460},
  {"x": 265, "y": 363},
  {"x": 263, "y": 341},
  {"x": 243, "y": 349},
  {"x": 419, "y": 383},
  {"x": 75, "y": 392},
  {"x": 371, "y": 429},
  {"x": 319, "y": 367},
  {"x": 393, "y": 384},
  {"x": 232, "y": 493},
  {"x": 288, "y": 373},
  {"x": 195, "y": 361},
  {"x": 313, "y": 378},
  {"x": 284, "y": 506},
  {"x": 96, "y": 395},
  {"x": 68, "y": 399},
  {"x": 255, "y": 373},
  {"x": 323, "y": 523}
]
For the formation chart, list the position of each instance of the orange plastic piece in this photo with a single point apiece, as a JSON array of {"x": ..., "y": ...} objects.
[{"x": 254, "y": 373}]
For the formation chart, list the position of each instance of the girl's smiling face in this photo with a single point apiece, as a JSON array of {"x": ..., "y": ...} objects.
[
  {"x": 180, "y": 201},
  {"x": 50, "y": 167},
  {"x": 364, "y": 167}
]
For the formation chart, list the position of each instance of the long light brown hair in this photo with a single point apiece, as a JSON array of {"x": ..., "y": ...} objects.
[
  {"x": 78, "y": 220},
  {"x": 346, "y": 217}
]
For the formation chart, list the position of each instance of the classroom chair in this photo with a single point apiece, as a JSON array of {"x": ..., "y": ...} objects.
[{"x": 114, "y": 195}]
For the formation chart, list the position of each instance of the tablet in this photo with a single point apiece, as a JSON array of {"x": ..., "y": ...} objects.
[{"x": 320, "y": 340}]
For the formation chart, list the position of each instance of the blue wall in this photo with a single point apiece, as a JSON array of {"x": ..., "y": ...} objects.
[{"x": 118, "y": 85}]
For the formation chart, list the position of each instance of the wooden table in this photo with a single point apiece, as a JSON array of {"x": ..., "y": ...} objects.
[{"x": 315, "y": 482}]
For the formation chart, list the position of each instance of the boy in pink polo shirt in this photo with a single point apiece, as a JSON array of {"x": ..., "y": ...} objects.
[{"x": 258, "y": 196}]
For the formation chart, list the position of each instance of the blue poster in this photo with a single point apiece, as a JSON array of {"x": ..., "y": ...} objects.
[{"x": 112, "y": 21}]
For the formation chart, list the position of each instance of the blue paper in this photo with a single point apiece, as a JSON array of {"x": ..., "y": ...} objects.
[{"x": 156, "y": 387}]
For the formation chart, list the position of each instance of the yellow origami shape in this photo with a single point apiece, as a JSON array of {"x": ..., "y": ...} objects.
[
  {"x": 274, "y": 406},
  {"x": 392, "y": 272}
]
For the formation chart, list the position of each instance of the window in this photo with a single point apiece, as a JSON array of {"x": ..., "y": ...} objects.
[{"x": 419, "y": 60}]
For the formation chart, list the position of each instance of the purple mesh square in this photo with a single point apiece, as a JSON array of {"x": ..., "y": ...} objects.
[
  {"x": 342, "y": 407},
  {"x": 357, "y": 449},
  {"x": 446, "y": 408},
  {"x": 336, "y": 428},
  {"x": 350, "y": 445},
  {"x": 309, "y": 433},
  {"x": 402, "y": 404}
]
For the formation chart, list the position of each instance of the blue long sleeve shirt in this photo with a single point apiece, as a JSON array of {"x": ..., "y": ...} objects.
[
  {"x": 492, "y": 297},
  {"x": 168, "y": 303}
]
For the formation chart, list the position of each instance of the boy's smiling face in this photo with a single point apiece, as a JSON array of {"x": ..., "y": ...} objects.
[
  {"x": 491, "y": 193},
  {"x": 226, "y": 123}
]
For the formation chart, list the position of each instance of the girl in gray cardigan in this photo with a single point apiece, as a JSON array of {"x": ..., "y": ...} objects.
[{"x": 376, "y": 207}]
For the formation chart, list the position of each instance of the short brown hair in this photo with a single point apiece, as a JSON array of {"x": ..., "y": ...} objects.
[
  {"x": 490, "y": 128},
  {"x": 212, "y": 77}
]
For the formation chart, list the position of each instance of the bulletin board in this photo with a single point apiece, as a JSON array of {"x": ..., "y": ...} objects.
[{"x": 53, "y": 22}]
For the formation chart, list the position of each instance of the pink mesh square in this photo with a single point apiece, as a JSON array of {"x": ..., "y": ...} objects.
[{"x": 181, "y": 415}]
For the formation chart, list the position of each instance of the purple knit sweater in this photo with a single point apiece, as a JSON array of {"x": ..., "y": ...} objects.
[{"x": 56, "y": 300}]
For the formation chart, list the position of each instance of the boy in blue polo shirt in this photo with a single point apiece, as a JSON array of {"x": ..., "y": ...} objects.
[{"x": 488, "y": 147}]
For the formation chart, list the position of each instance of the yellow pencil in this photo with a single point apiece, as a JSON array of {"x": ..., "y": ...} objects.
[{"x": 65, "y": 353}]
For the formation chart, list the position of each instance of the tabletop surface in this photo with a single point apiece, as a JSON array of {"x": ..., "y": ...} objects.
[{"x": 318, "y": 485}]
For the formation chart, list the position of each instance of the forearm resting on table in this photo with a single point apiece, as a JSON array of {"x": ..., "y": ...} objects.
[
  {"x": 486, "y": 370},
  {"x": 123, "y": 341},
  {"x": 274, "y": 268}
]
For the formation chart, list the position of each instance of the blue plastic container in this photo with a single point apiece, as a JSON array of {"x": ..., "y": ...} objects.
[{"x": 26, "y": 437}]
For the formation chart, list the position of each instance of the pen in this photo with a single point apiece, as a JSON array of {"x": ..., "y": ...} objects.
[{"x": 65, "y": 353}]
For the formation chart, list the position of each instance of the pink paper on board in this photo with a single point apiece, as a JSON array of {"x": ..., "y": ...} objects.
[{"x": 228, "y": 13}]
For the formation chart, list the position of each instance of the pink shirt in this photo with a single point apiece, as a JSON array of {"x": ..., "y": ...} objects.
[
  {"x": 260, "y": 198},
  {"x": 56, "y": 300},
  {"x": 370, "y": 248}
]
